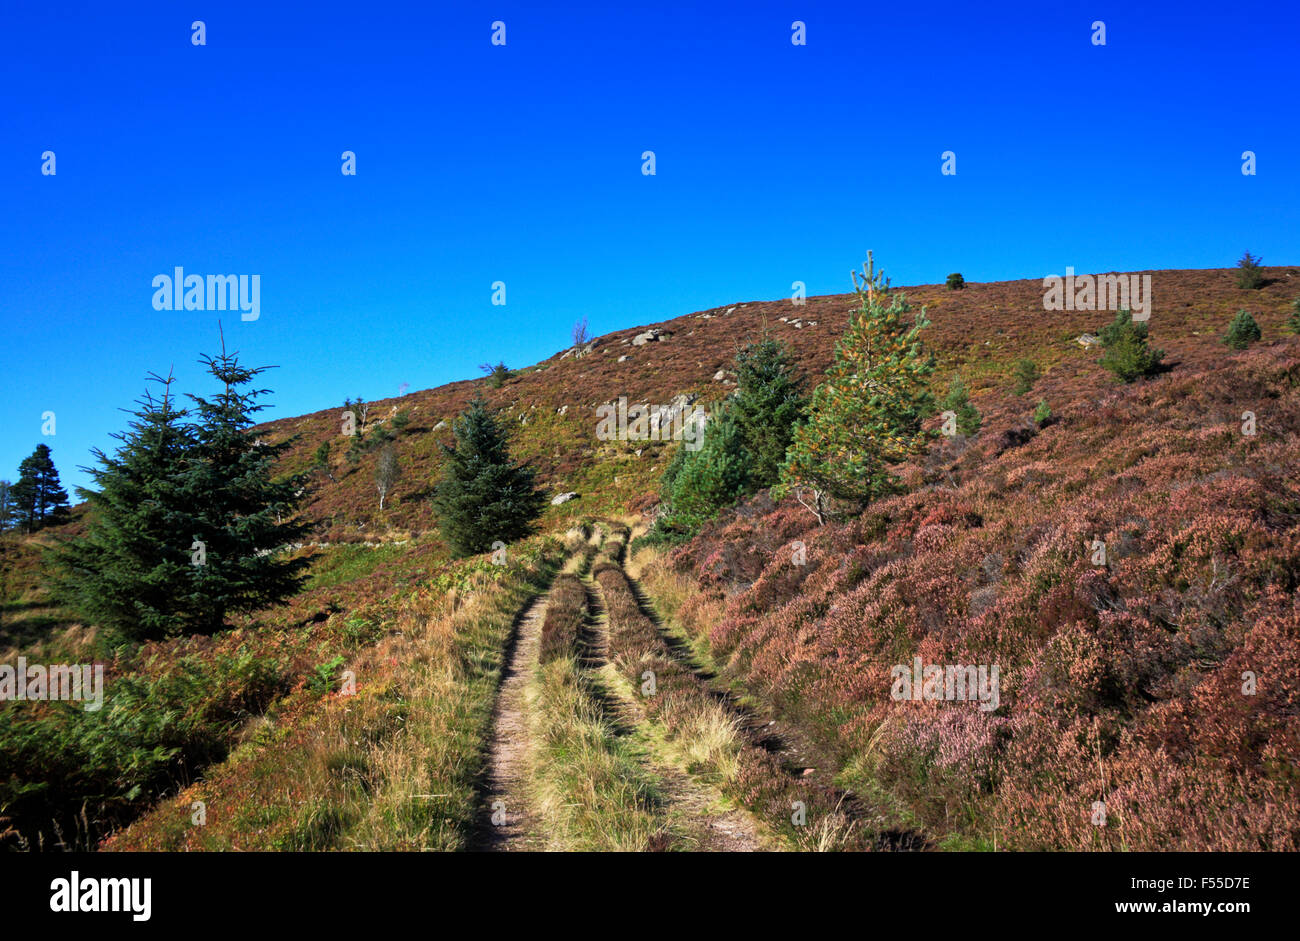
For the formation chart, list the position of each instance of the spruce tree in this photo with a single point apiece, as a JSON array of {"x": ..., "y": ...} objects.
[
  {"x": 767, "y": 407},
  {"x": 39, "y": 499},
  {"x": 868, "y": 412},
  {"x": 484, "y": 496},
  {"x": 700, "y": 483},
  {"x": 1250, "y": 275},
  {"x": 239, "y": 507},
  {"x": 131, "y": 571}
]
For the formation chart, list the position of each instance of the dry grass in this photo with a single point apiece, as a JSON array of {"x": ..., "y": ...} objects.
[
  {"x": 590, "y": 789},
  {"x": 392, "y": 767},
  {"x": 705, "y": 736},
  {"x": 714, "y": 743},
  {"x": 419, "y": 795}
]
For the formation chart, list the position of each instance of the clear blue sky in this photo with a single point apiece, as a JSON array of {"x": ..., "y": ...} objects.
[{"x": 522, "y": 163}]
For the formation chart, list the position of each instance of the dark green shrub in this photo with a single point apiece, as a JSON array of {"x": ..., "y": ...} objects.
[
  {"x": 958, "y": 402},
  {"x": 1126, "y": 351},
  {"x": 1242, "y": 332},
  {"x": 955, "y": 281},
  {"x": 1026, "y": 374}
]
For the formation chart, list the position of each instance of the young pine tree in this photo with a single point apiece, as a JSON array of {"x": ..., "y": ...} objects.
[
  {"x": 767, "y": 407},
  {"x": 131, "y": 572},
  {"x": 1026, "y": 374},
  {"x": 867, "y": 414},
  {"x": 484, "y": 495},
  {"x": 1126, "y": 352},
  {"x": 321, "y": 460},
  {"x": 239, "y": 507},
  {"x": 958, "y": 402},
  {"x": 1242, "y": 331},
  {"x": 39, "y": 499}
]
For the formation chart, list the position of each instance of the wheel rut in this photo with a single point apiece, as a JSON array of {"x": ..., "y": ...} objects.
[
  {"x": 697, "y": 810},
  {"x": 506, "y": 822}
]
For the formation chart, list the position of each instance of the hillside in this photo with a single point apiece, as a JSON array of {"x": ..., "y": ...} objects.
[
  {"x": 979, "y": 331},
  {"x": 1162, "y": 681},
  {"x": 1120, "y": 682}
]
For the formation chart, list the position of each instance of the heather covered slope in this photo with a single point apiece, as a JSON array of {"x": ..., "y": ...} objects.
[
  {"x": 981, "y": 330},
  {"x": 1126, "y": 683},
  {"x": 1121, "y": 683}
]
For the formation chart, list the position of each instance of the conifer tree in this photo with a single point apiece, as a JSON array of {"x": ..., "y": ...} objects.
[
  {"x": 131, "y": 572},
  {"x": 38, "y": 497},
  {"x": 767, "y": 407},
  {"x": 484, "y": 496},
  {"x": 6, "y": 506},
  {"x": 186, "y": 519},
  {"x": 1026, "y": 374},
  {"x": 1250, "y": 275},
  {"x": 239, "y": 507},
  {"x": 957, "y": 401},
  {"x": 321, "y": 460},
  {"x": 1242, "y": 331},
  {"x": 700, "y": 483},
  {"x": 867, "y": 414},
  {"x": 1126, "y": 351}
]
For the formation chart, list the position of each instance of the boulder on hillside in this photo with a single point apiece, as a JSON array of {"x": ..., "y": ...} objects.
[
  {"x": 650, "y": 336},
  {"x": 562, "y": 498}
]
